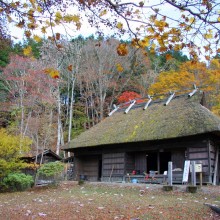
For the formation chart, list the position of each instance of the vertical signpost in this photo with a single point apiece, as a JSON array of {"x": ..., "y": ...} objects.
[{"x": 170, "y": 173}]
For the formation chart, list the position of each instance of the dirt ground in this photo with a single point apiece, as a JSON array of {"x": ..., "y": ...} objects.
[{"x": 103, "y": 201}]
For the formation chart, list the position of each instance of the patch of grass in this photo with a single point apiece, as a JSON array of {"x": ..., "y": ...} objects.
[{"x": 90, "y": 201}]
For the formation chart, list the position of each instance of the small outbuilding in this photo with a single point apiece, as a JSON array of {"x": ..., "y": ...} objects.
[
  {"x": 144, "y": 138},
  {"x": 45, "y": 157}
]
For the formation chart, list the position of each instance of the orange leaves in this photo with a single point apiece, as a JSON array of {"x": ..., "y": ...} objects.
[
  {"x": 70, "y": 68},
  {"x": 168, "y": 57},
  {"x": 52, "y": 72},
  {"x": 122, "y": 50}
]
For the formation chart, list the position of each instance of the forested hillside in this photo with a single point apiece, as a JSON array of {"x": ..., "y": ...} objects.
[{"x": 52, "y": 95}]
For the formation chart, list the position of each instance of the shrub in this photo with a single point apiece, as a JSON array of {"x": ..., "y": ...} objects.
[
  {"x": 50, "y": 173},
  {"x": 17, "y": 182},
  {"x": 51, "y": 169}
]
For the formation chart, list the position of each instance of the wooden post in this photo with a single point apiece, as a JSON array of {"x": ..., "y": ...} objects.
[
  {"x": 170, "y": 173},
  {"x": 111, "y": 173},
  {"x": 158, "y": 162},
  {"x": 216, "y": 166},
  {"x": 200, "y": 179},
  {"x": 193, "y": 174},
  {"x": 209, "y": 160}
]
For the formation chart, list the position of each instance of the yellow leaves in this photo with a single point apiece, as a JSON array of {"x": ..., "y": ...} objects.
[
  {"x": 39, "y": 9},
  {"x": 119, "y": 67},
  {"x": 52, "y": 72},
  {"x": 215, "y": 63},
  {"x": 208, "y": 35},
  {"x": 122, "y": 49},
  {"x": 27, "y": 51},
  {"x": 71, "y": 18},
  {"x": 141, "y": 43},
  {"x": 160, "y": 24},
  {"x": 177, "y": 47},
  {"x": 192, "y": 20},
  {"x": 102, "y": 13},
  {"x": 37, "y": 38},
  {"x": 58, "y": 15},
  {"x": 145, "y": 42},
  {"x": 151, "y": 30},
  {"x": 119, "y": 25}
]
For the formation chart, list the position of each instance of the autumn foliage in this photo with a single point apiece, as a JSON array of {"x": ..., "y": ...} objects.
[
  {"x": 11, "y": 149},
  {"x": 128, "y": 96},
  {"x": 189, "y": 74}
]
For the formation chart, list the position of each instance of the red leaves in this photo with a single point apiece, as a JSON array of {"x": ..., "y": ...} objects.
[{"x": 127, "y": 96}]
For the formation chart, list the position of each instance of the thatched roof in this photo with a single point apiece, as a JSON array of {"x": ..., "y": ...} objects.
[{"x": 182, "y": 117}]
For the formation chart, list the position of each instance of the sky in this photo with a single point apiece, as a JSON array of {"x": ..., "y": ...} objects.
[{"x": 86, "y": 30}]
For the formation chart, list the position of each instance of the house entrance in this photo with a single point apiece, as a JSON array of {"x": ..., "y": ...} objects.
[
  {"x": 151, "y": 161},
  {"x": 158, "y": 161},
  {"x": 165, "y": 157},
  {"x": 100, "y": 170}
]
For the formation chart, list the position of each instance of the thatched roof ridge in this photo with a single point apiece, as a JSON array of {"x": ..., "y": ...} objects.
[{"x": 183, "y": 116}]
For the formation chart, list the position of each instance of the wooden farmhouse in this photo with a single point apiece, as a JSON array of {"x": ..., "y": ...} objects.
[{"x": 146, "y": 137}]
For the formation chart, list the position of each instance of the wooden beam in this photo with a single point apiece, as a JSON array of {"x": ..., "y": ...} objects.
[
  {"x": 209, "y": 162},
  {"x": 113, "y": 111},
  {"x": 216, "y": 165},
  {"x": 193, "y": 92},
  {"x": 148, "y": 103},
  {"x": 170, "y": 98},
  {"x": 130, "y": 106}
]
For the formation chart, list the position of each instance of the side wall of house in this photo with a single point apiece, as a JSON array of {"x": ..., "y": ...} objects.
[{"x": 203, "y": 153}]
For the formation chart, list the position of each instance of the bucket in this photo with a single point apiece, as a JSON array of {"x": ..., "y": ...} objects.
[{"x": 134, "y": 181}]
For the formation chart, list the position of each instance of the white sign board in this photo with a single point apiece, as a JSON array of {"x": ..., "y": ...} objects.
[
  {"x": 198, "y": 168},
  {"x": 186, "y": 171}
]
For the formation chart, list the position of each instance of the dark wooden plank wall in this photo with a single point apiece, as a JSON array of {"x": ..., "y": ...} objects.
[
  {"x": 113, "y": 166},
  {"x": 87, "y": 166},
  {"x": 91, "y": 168},
  {"x": 178, "y": 158},
  {"x": 200, "y": 154},
  {"x": 140, "y": 162},
  {"x": 129, "y": 162},
  {"x": 78, "y": 168}
]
